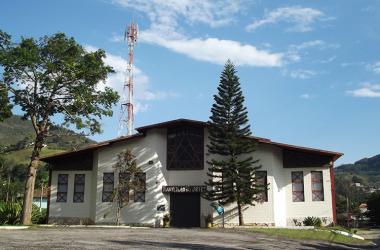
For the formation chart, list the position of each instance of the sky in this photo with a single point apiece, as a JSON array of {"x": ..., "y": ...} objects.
[{"x": 309, "y": 70}]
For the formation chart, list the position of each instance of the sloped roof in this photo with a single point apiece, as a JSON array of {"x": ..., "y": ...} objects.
[{"x": 142, "y": 130}]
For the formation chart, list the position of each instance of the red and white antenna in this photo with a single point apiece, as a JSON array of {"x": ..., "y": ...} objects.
[{"x": 130, "y": 36}]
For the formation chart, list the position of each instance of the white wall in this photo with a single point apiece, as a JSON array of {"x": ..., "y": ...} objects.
[
  {"x": 280, "y": 210},
  {"x": 263, "y": 212},
  {"x": 152, "y": 147},
  {"x": 70, "y": 208},
  {"x": 149, "y": 148},
  {"x": 299, "y": 210}
]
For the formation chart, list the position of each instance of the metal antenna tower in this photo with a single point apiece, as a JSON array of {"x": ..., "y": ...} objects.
[{"x": 130, "y": 36}]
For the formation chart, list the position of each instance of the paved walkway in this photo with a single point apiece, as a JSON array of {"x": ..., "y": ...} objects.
[{"x": 96, "y": 238}]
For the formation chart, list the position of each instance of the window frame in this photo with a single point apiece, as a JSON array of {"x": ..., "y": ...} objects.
[
  {"x": 317, "y": 191},
  {"x": 125, "y": 177},
  {"x": 76, "y": 198},
  {"x": 172, "y": 156},
  {"x": 108, "y": 194},
  {"x": 295, "y": 194},
  {"x": 139, "y": 195},
  {"x": 62, "y": 196},
  {"x": 262, "y": 194}
]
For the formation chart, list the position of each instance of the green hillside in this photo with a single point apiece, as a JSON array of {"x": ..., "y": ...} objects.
[
  {"x": 15, "y": 133},
  {"x": 355, "y": 182},
  {"x": 16, "y": 144}
]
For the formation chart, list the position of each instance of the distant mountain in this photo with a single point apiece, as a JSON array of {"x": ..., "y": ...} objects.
[
  {"x": 16, "y": 133},
  {"x": 16, "y": 144},
  {"x": 355, "y": 182},
  {"x": 364, "y": 166}
]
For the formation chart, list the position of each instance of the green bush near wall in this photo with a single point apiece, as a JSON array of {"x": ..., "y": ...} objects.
[
  {"x": 38, "y": 217},
  {"x": 312, "y": 221},
  {"x": 10, "y": 214}
]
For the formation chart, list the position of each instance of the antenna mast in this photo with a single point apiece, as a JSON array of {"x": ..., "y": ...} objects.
[{"x": 130, "y": 36}]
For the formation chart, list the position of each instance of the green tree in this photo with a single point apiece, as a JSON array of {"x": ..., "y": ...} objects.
[
  {"x": 373, "y": 204},
  {"x": 129, "y": 179},
  {"x": 53, "y": 77},
  {"x": 232, "y": 168}
]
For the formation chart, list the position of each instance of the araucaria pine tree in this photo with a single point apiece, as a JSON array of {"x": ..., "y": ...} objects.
[{"x": 232, "y": 166}]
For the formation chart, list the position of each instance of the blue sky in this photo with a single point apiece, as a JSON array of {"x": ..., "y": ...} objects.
[{"x": 310, "y": 70}]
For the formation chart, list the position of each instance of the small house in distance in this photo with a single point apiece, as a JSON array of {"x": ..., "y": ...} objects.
[
  {"x": 40, "y": 198},
  {"x": 173, "y": 157}
]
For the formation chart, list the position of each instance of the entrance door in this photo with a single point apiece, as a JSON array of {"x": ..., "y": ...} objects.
[{"x": 185, "y": 210}]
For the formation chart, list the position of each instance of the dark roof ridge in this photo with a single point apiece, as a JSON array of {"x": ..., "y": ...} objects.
[{"x": 143, "y": 129}]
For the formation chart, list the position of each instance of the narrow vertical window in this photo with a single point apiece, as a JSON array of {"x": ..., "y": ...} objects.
[
  {"x": 124, "y": 179},
  {"x": 79, "y": 188},
  {"x": 108, "y": 183},
  {"x": 62, "y": 187},
  {"x": 262, "y": 183},
  {"x": 140, "y": 187},
  {"x": 297, "y": 186},
  {"x": 317, "y": 186}
]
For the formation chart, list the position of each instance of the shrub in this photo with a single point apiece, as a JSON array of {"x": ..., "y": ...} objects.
[
  {"x": 312, "y": 221},
  {"x": 10, "y": 213},
  {"x": 38, "y": 217}
]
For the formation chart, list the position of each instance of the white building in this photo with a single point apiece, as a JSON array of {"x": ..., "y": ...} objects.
[{"x": 173, "y": 157}]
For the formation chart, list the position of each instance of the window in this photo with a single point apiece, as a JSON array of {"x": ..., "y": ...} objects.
[
  {"x": 262, "y": 184},
  {"x": 185, "y": 148},
  {"x": 62, "y": 187},
  {"x": 297, "y": 186},
  {"x": 79, "y": 188},
  {"x": 108, "y": 180},
  {"x": 317, "y": 186},
  {"x": 124, "y": 185},
  {"x": 140, "y": 187}
]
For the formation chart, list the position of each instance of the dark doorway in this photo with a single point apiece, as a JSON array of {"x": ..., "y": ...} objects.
[{"x": 185, "y": 210}]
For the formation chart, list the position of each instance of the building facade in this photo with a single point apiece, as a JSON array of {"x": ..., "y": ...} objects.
[{"x": 173, "y": 159}]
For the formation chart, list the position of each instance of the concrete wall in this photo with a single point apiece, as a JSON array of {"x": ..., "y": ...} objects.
[
  {"x": 69, "y": 211},
  {"x": 152, "y": 147},
  {"x": 264, "y": 212},
  {"x": 299, "y": 210},
  {"x": 280, "y": 210}
]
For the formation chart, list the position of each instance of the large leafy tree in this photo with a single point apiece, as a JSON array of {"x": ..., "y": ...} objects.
[
  {"x": 50, "y": 77},
  {"x": 232, "y": 167}
]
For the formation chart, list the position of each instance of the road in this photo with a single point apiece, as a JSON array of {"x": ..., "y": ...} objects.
[{"x": 140, "y": 238}]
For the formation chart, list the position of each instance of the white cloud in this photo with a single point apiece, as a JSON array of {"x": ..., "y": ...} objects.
[
  {"x": 296, "y": 50},
  {"x": 305, "y": 96},
  {"x": 165, "y": 31},
  {"x": 215, "y": 50},
  {"x": 301, "y": 74},
  {"x": 351, "y": 64},
  {"x": 168, "y": 12},
  {"x": 314, "y": 44},
  {"x": 367, "y": 90},
  {"x": 375, "y": 67},
  {"x": 301, "y": 18},
  {"x": 142, "y": 89}
]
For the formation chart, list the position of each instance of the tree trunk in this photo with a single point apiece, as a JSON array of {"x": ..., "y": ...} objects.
[
  {"x": 9, "y": 182},
  {"x": 30, "y": 180},
  {"x": 241, "y": 221}
]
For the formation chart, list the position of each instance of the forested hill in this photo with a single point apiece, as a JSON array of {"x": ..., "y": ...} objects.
[
  {"x": 17, "y": 134},
  {"x": 355, "y": 182},
  {"x": 16, "y": 144},
  {"x": 366, "y": 170}
]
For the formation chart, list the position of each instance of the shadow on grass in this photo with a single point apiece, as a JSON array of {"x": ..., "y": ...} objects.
[{"x": 167, "y": 245}]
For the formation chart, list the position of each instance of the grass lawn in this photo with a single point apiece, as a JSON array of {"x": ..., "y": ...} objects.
[{"x": 309, "y": 234}]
